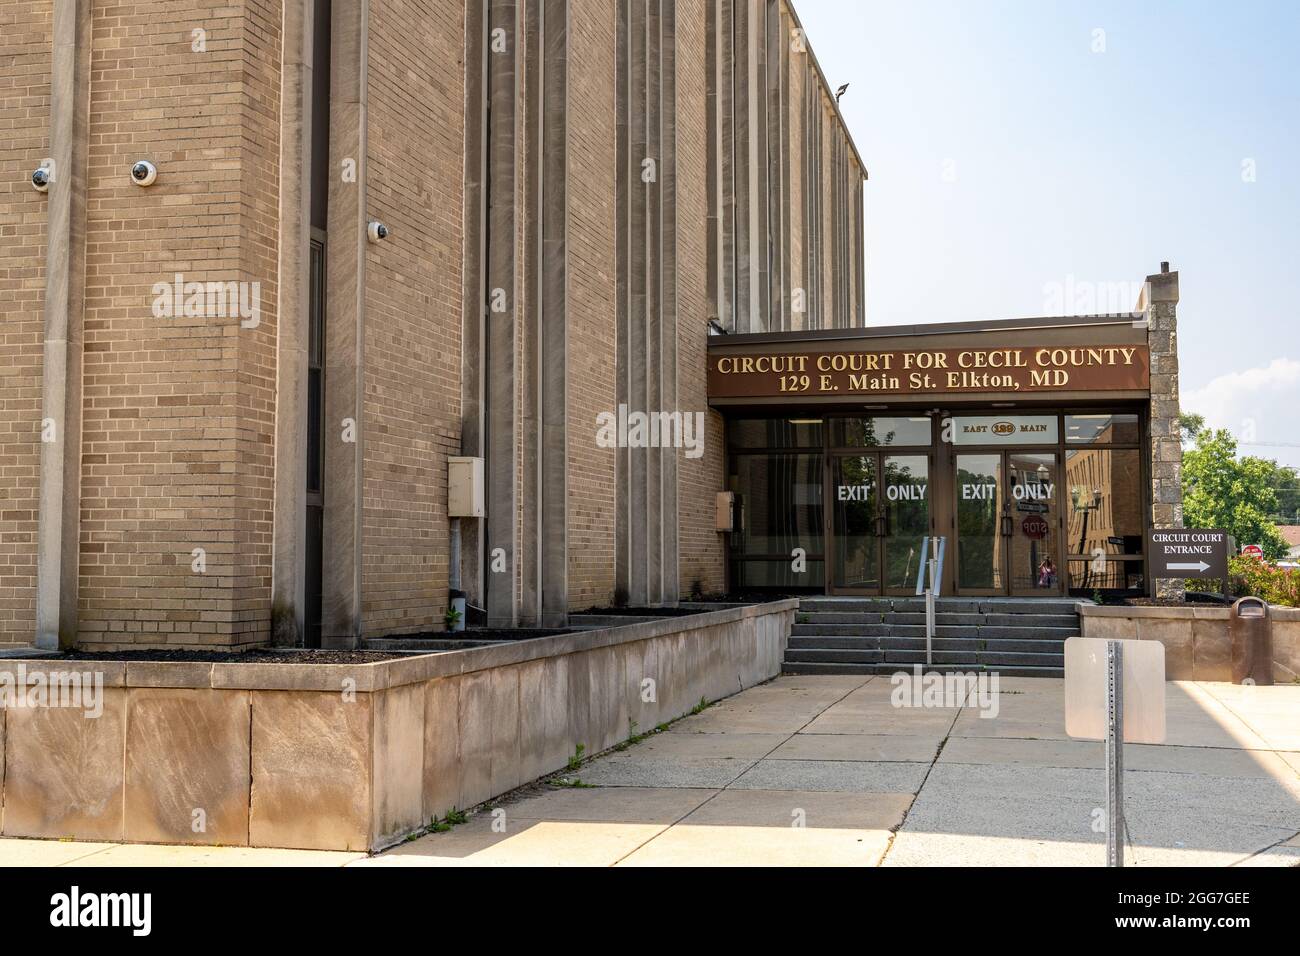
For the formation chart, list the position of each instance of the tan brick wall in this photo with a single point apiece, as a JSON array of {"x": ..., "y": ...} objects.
[
  {"x": 592, "y": 323},
  {"x": 178, "y": 410},
  {"x": 25, "y": 31},
  {"x": 827, "y": 219},
  {"x": 798, "y": 69},
  {"x": 701, "y": 553},
  {"x": 413, "y": 310},
  {"x": 259, "y": 185}
]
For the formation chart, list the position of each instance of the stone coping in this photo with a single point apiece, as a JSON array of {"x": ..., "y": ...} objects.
[
  {"x": 1191, "y": 612},
  {"x": 381, "y": 675}
]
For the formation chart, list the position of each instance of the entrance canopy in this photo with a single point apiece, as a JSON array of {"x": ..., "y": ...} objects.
[
  {"x": 1024, "y": 443},
  {"x": 1017, "y": 360}
]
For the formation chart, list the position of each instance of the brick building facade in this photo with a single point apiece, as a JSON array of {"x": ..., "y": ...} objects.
[{"x": 229, "y": 406}]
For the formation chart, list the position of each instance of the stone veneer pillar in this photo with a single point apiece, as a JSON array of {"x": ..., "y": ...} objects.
[
  {"x": 345, "y": 330},
  {"x": 289, "y": 555},
  {"x": 58, "y": 535},
  {"x": 646, "y": 559},
  {"x": 1160, "y": 301}
]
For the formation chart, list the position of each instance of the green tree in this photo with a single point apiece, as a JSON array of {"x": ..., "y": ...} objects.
[
  {"x": 1222, "y": 491},
  {"x": 1191, "y": 425},
  {"x": 1286, "y": 483}
]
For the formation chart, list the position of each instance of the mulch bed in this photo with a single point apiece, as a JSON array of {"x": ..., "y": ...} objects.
[
  {"x": 1201, "y": 599},
  {"x": 479, "y": 634},
  {"x": 641, "y": 611}
]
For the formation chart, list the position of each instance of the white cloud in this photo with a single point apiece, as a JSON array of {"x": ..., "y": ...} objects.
[{"x": 1258, "y": 405}]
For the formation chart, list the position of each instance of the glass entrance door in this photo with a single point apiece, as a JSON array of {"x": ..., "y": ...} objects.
[
  {"x": 855, "y": 523},
  {"x": 1033, "y": 503},
  {"x": 1008, "y": 523},
  {"x": 905, "y": 500},
  {"x": 880, "y": 512},
  {"x": 980, "y": 551}
]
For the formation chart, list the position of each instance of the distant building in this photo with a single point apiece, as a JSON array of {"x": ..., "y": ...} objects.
[{"x": 1291, "y": 535}]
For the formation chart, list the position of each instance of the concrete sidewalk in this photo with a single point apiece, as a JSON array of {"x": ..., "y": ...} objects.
[{"x": 826, "y": 771}]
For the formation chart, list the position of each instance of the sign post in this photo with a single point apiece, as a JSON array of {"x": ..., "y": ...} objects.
[
  {"x": 1114, "y": 753},
  {"x": 1115, "y": 692},
  {"x": 933, "y": 564}
]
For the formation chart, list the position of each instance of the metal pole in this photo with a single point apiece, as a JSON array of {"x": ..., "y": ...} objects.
[
  {"x": 929, "y": 623},
  {"x": 929, "y": 603},
  {"x": 1114, "y": 753}
]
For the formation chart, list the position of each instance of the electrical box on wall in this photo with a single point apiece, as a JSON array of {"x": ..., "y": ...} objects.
[
  {"x": 727, "y": 512},
  {"x": 464, "y": 487}
]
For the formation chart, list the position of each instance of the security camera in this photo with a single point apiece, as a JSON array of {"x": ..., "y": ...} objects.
[
  {"x": 143, "y": 172},
  {"x": 376, "y": 231},
  {"x": 41, "y": 179}
]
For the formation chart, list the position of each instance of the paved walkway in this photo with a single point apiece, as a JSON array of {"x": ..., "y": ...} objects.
[{"x": 827, "y": 771}]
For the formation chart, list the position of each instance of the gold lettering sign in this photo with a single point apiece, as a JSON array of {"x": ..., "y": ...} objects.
[{"x": 933, "y": 371}]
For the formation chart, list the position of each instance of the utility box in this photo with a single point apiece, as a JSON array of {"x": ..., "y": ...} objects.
[
  {"x": 725, "y": 511},
  {"x": 1252, "y": 642},
  {"x": 464, "y": 487}
]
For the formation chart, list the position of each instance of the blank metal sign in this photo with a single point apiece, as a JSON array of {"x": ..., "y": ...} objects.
[{"x": 1144, "y": 690}]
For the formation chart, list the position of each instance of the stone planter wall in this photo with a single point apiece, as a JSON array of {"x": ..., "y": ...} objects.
[
  {"x": 354, "y": 757},
  {"x": 1198, "y": 644}
]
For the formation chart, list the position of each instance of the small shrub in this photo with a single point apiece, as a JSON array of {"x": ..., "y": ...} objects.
[
  {"x": 576, "y": 760},
  {"x": 1254, "y": 577}
]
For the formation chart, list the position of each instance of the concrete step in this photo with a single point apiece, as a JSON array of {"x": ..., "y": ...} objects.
[
  {"x": 1032, "y": 620},
  {"x": 1036, "y": 633},
  {"x": 918, "y": 643},
  {"x": 918, "y": 630},
  {"x": 880, "y": 630},
  {"x": 941, "y": 619},
  {"x": 963, "y": 657},
  {"x": 886, "y": 669},
  {"x": 944, "y": 605},
  {"x": 999, "y": 620}
]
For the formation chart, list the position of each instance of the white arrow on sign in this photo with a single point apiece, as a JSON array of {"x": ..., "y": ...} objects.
[{"x": 1198, "y": 566}]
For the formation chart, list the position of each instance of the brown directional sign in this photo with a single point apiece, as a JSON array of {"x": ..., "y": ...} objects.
[{"x": 1187, "y": 553}]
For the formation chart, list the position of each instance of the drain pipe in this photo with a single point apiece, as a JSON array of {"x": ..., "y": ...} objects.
[{"x": 457, "y": 596}]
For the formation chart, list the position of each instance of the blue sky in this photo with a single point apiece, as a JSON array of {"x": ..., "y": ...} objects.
[{"x": 1022, "y": 153}]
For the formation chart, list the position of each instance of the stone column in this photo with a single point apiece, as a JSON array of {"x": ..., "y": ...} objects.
[
  {"x": 474, "y": 304},
  {"x": 288, "y": 561},
  {"x": 345, "y": 330},
  {"x": 554, "y": 390},
  {"x": 1160, "y": 302},
  {"x": 501, "y": 388},
  {"x": 58, "y": 536}
]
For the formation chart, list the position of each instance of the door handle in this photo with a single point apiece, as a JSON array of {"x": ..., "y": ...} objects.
[
  {"x": 880, "y": 526},
  {"x": 1006, "y": 526}
]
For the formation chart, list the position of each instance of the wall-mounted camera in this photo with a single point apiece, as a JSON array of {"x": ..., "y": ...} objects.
[
  {"x": 41, "y": 179},
  {"x": 143, "y": 172},
  {"x": 376, "y": 231}
]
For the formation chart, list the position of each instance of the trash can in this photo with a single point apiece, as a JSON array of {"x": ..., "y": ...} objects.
[{"x": 1252, "y": 642}]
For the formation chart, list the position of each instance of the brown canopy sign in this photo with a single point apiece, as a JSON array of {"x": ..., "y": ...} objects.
[{"x": 931, "y": 371}]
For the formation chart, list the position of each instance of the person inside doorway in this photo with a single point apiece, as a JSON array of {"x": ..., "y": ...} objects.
[{"x": 1047, "y": 574}]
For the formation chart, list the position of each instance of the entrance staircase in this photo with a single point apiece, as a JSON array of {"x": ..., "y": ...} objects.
[{"x": 1015, "y": 637}]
